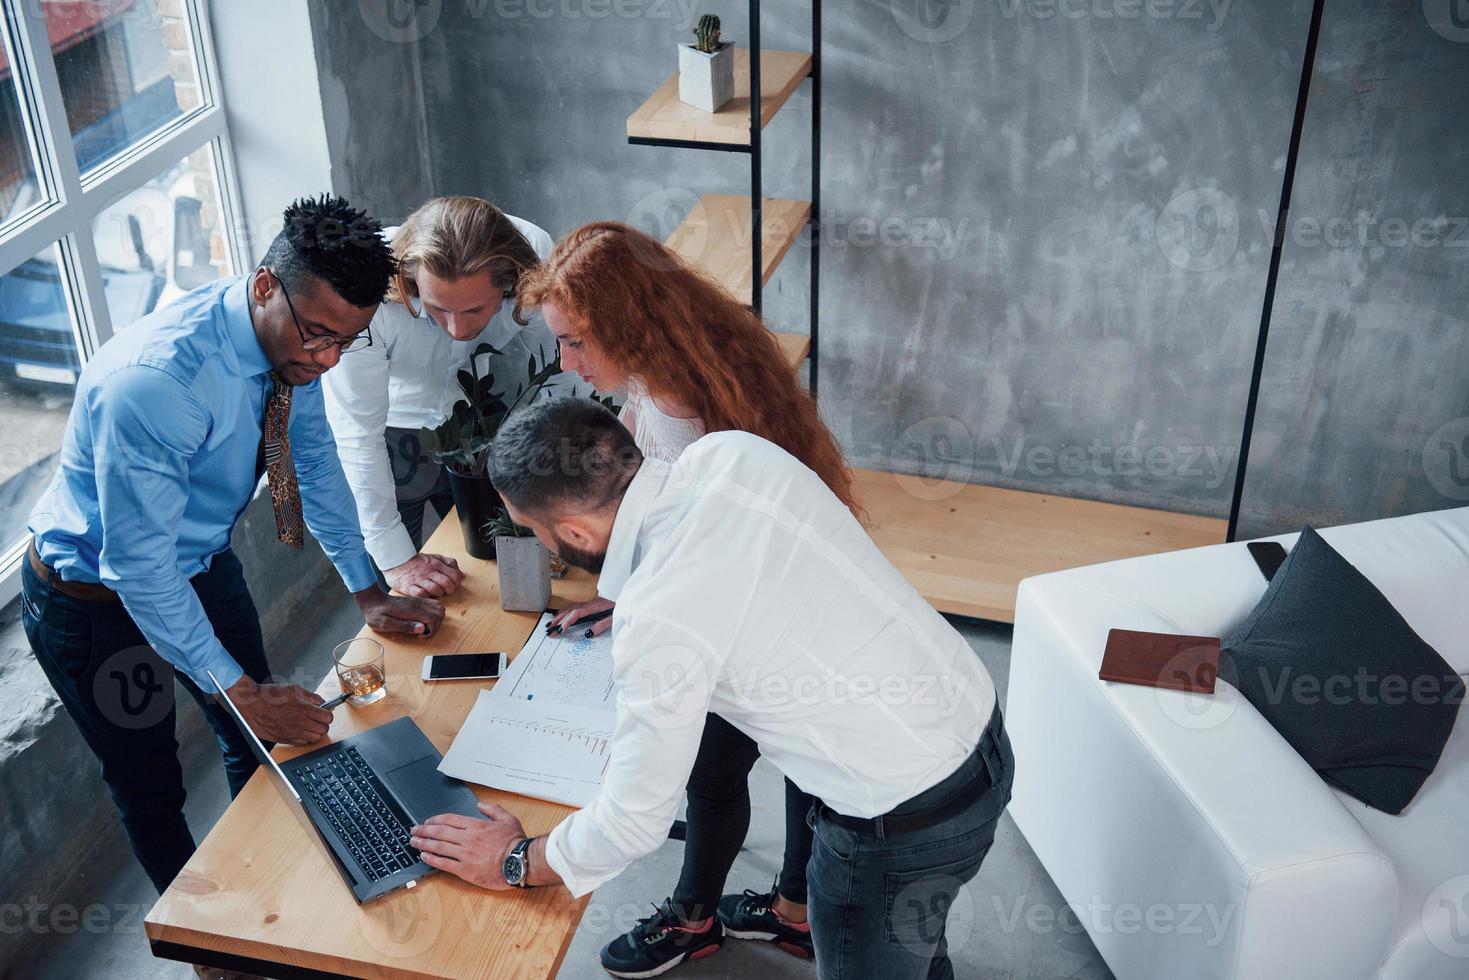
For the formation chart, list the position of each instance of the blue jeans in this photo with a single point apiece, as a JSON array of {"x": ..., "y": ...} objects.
[
  {"x": 120, "y": 694},
  {"x": 879, "y": 901}
]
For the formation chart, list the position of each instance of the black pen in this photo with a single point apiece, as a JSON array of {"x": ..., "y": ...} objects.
[{"x": 595, "y": 617}]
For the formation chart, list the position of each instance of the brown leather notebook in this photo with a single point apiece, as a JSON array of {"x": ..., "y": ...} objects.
[{"x": 1179, "y": 663}]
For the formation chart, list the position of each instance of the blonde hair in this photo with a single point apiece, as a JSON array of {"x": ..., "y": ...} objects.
[{"x": 454, "y": 237}]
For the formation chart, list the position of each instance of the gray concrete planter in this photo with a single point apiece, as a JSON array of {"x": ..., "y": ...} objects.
[
  {"x": 525, "y": 574},
  {"x": 706, "y": 81}
]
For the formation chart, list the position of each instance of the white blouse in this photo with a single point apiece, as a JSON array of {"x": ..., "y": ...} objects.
[{"x": 657, "y": 434}]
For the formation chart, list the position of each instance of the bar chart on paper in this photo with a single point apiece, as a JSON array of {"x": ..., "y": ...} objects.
[{"x": 555, "y": 752}]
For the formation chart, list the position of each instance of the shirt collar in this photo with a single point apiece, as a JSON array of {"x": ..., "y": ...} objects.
[
  {"x": 622, "y": 552},
  {"x": 242, "y": 328}
]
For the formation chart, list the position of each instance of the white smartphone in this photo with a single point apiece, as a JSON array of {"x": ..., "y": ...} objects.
[{"x": 463, "y": 666}]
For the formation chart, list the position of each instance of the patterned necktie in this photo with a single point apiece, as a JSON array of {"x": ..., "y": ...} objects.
[{"x": 284, "y": 492}]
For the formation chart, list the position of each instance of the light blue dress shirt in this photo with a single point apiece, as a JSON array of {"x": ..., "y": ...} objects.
[{"x": 159, "y": 461}]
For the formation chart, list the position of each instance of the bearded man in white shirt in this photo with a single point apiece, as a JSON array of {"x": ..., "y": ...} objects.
[
  {"x": 745, "y": 587},
  {"x": 458, "y": 262}
]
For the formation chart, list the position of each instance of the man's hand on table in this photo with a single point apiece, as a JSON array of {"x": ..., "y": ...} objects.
[
  {"x": 398, "y": 614},
  {"x": 475, "y": 850},
  {"x": 425, "y": 576},
  {"x": 281, "y": 712}
]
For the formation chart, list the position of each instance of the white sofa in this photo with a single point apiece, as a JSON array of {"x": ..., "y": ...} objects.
[{"x": 1185, "y": 834}]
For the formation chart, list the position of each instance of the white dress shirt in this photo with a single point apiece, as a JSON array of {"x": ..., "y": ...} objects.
[
  {"x": 745, "y": 587},
  {"x": 406, "y": 379}
]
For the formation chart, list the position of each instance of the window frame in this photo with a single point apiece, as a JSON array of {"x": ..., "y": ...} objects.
[{"x": 76, "y": 199}]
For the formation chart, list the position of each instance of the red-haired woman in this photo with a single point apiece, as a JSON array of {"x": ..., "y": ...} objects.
[{"x": 630, "y": 317}]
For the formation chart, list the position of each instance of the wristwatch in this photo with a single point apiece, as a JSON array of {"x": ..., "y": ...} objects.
[{"x": 517, "y": 864}]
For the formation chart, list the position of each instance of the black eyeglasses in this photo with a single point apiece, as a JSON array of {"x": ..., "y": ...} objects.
[{"x": 318, "y": 342}]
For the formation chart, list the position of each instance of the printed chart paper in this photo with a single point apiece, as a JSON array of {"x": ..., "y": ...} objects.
[{"x": 556, "y": 752}]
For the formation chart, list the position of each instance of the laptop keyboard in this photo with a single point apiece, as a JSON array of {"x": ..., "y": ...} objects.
[{"x": 359, "y": 809}]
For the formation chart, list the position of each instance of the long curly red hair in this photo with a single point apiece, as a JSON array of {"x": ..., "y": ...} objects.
[{"x": 685, "y": 338}]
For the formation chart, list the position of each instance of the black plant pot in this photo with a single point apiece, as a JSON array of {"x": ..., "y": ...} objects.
[{"x": 477, "y": 503}]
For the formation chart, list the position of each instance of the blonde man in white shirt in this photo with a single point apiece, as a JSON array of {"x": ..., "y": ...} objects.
[
  {"x": 459, "y": 259},
  {"x": 746, "y": 588}
]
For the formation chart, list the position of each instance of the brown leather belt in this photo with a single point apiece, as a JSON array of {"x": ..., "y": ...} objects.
[{"x": 86, "y": 591}]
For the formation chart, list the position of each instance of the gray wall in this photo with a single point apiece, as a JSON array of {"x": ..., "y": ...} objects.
[
  {"x": 275, "y": 118},
  {"x": 1045, "y": 226},
  {"x": 1365, "y": 403},
  {"x": 372, "y": 103}
]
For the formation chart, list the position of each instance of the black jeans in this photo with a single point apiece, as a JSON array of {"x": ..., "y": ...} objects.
[
  {"x": 719, "y": 817},
  {"x": 417, "y": 481},
  {"x": 120, "y": 694},
  {"x": 880, "y": 901}
]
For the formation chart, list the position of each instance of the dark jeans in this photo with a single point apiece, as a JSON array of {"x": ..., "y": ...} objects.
[
  {"x": 417, "y": 481},
  {"x": 120, "y": 694},
  {"x": 880, "y": 901},
  {"x": 719, "y": 816}
]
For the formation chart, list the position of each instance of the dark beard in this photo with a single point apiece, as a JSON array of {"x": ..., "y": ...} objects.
[{"x": 590, "y": 561}]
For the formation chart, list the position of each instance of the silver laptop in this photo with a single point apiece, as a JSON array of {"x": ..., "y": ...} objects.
[{"x": 360, "y": 796}]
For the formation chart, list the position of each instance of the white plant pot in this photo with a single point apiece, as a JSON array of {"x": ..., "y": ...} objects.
[
  {"x": 525, "y": 574},
  {"x": 706, "y": 81}
]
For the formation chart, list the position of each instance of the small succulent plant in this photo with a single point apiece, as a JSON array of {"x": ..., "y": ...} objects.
[
  {"x": 501, "y": 526},
  {"x": 706, "y": 34}
]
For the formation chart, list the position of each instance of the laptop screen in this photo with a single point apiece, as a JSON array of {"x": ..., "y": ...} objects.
[{"x": 277, "y": 776}]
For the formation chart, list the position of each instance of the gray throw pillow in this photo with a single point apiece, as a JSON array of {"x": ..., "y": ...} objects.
[{"x": 1344, "y": 679}]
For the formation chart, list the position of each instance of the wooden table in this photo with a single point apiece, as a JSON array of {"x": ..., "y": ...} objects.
[{"x": 261, "y": 896}]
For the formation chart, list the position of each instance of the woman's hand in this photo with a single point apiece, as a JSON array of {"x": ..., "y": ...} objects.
[{"x": 566, "y": 618}]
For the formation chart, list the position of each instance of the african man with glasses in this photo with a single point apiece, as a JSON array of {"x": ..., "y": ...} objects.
[{"x": 130, "y": 578}]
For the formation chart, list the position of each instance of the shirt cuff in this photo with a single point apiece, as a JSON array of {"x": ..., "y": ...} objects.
[
  {"x": 357, "y": 572},
  {"x": 577, "y": 882},
  {"x": 391, "y": 547},
  {"x": 221, "y": 665}
]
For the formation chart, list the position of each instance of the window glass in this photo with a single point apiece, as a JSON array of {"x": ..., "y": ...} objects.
[
  {"x": 126, "y": 68},
  {"x": 19, "y": 189},
  {"x": 162, "y": 240},
  {"x": 38, "y": 374}
]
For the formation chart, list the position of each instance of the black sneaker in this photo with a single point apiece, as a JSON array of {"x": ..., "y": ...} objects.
[
  {"x": 750, "y": 916},
  {"x": 659, "y": 943}
]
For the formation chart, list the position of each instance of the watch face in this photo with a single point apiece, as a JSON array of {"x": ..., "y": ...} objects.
[{"x": 515, "y": 864}]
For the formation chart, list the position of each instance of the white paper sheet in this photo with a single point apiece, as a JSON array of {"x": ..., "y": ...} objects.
[
  {"x": 556, "y": 752},
  {"x": 561, "y": 670}
]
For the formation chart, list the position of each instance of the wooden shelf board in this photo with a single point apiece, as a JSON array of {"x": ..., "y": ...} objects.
[
  {"x": 794, "y": 347},
  {"x": 716, "y": 235},
  {"x": 966, "y": 547},
  {"x": 663, "y": 116}
]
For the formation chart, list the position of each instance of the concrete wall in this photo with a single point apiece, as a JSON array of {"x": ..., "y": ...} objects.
[
  {"x": 1046, "y": 224},
  {"x": 277, "y": 129},
  {"x": 372, "y": 101},
  {"x": 1365, "y": 404}
]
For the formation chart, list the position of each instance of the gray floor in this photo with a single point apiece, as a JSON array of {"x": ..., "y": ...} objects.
[{"x": 989, "y": 937}]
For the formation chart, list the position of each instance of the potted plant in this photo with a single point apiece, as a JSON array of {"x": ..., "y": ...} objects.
[
  {"x": 524, "y": 565},
  {"x": 461, "y": 443},
  {"x": 706, "y": 67}
]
